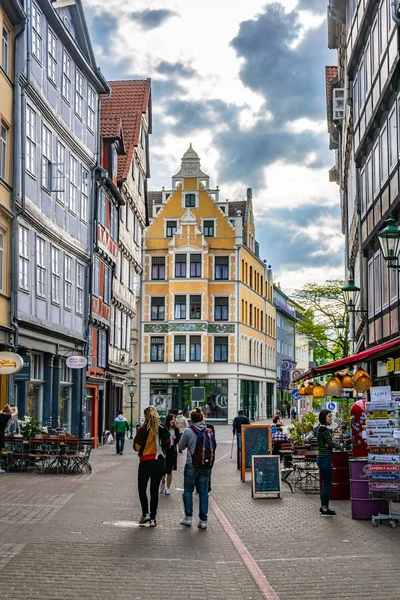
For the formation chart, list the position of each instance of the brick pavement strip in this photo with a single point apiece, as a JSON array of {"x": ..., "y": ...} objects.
[{"x": 70, "y": 537}]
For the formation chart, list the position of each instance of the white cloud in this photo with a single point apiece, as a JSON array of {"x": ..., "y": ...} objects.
[{"x": 296, "y": 279}]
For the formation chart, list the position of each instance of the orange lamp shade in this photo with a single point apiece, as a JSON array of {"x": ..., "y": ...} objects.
[
  {"x": 347, "y": 382},
  {"x": 302, "y": 390},
  {"x": 333, "y": 387},
  {"x": 363, "y": 383},
  {"x": 359, "y": 373},
  {"x": 319, "y": 391},
  {"x": 309, "y": 389}
]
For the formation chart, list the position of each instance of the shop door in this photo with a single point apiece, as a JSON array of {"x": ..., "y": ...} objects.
[{"x": 89, "y": 412}]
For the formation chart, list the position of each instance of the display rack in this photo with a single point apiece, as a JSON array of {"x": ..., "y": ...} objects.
[{"x": 383, "y": 438}]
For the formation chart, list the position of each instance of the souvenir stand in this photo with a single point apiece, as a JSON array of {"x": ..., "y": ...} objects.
[{"x": 383, "y": 439}]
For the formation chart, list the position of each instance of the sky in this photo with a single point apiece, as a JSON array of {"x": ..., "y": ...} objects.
[{"x": 244, "y": 82}]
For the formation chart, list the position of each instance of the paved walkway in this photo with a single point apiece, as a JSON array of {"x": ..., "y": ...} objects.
[{"x": 69, "y": 537}]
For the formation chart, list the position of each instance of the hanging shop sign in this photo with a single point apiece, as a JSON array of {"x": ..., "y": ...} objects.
[
  {"x": 76, "y": 362},
  {"x": 10, "y": 363},
  {"x": 25, "y": 373}
]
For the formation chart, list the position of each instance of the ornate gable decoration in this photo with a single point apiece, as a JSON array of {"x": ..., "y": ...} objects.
[
  {"x": 188, "y": 218},
  {"x": 190, "y": 166}
]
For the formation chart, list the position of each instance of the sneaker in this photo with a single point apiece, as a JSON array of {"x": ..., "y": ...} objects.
[
  {"x": 327, "y": 513},
  {"x": 167, "y": 492},
  {"x": 186, "y": 521},
  {"x": 144, "y": 519},
  {"x": 121, "y": 453},
  {"x": 162, "y": 487},
  {"x": 202, "y": 524},
  {"x": 153, "y": 523}
]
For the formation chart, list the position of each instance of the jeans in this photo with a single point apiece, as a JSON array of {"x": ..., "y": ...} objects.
[
  {"x": 120, "y": 442},
  {"x": 326, "y": 472},
  {"x": 198, "y": 478},
  {"x": 149, "y": 469}
]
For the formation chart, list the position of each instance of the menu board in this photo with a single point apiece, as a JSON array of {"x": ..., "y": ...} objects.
[
  {"x": 265, "y": 476},
  {"x": 256, "y": 441},
  {"x": 382, "y": 435}
]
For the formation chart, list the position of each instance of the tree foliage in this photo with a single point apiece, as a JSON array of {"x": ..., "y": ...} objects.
[{"x": 321, "y": 309}]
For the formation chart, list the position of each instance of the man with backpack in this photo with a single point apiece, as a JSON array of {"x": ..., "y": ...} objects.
[{"x": 200, "y": 443}]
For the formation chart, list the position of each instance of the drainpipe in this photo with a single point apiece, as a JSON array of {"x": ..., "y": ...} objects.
[
  {"x": 395, "y": 17},
  {"x": 237, "y": 327},
  {"x": 360, "y": 259},
  {"x": 19, "y": 164}
]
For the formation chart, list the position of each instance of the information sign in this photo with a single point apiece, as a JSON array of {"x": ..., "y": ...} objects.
[
  {"x": 256, "y": 441},
  {"x": 265, "y": 476}
]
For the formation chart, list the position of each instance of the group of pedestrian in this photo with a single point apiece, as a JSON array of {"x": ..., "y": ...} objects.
[{"x": 158, "y": 445}]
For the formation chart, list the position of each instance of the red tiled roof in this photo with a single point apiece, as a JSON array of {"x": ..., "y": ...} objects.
[
  {"x": 110, "y": 127},
  {"x": 331, "y": 73},
  {"x": 129, "y": 100}
]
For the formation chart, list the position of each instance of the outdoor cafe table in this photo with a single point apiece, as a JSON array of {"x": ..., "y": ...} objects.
[{"x": 48, "y": 454}]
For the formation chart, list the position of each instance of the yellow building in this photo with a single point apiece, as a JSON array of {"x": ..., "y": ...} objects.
[
  {"x": 11, "y": 15},
  {"x": 208, "y": 319}
]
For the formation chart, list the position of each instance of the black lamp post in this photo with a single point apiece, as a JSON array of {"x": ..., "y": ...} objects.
[
  {"x": 342, "y": 336},
  {"x": 132, "y": 388},
  {"x": 351, "y": 293},
  {"x": 389, "y": 241}
]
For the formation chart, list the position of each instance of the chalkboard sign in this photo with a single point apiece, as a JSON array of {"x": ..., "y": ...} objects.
[
  {"x": 256, "y": 440},
  {"x": 265, "y": 476}
]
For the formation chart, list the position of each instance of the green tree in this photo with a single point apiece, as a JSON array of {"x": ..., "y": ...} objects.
[{"x": 321, "y": 309}]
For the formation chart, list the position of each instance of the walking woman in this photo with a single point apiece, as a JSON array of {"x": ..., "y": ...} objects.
[
  {"x": 324, "y": 461},
  {"x": 151, "y": 442},
  {"x": 172, "y": 454}
]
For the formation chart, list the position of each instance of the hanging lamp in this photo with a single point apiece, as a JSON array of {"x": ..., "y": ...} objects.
[
  {"x": 363, "y": 383},
  {"x": 333, "y": 387},
  {"x": 318, "y": 391},
  {"x": 309, "y": 389},
  {"x": 302, "y": 390},
  {"x": 347, "y": 382},
  {"x": 359, "y": 373}
]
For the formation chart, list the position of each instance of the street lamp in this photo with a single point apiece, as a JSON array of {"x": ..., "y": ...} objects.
[
  {"x": 351, "y": 293},
  {"x": 132, "y": 388},
  {"x": 340, "y": 329},
  {"x": 389, "y": 241}
]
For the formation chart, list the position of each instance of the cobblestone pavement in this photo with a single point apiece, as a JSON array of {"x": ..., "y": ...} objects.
[{"x": 70, "y": 537}]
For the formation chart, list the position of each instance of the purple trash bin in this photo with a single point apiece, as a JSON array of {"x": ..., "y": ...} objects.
[{"x": 362, "y": 507}]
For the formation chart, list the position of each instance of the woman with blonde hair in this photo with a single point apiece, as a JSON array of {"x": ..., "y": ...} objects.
[{"x": 151, "y": 442}]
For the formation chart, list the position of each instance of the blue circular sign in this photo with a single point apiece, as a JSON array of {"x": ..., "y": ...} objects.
[{"x": 331, "y": 406}]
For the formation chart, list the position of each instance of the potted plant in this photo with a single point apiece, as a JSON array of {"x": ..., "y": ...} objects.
[{"x": 30, "y": 426}]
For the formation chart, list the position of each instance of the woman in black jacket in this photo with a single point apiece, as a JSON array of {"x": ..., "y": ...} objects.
[{"x": 171, "y": 458}]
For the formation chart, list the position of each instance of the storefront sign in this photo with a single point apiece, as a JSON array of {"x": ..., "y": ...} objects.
[
  {"x": 390, "y": 365},
  {"x": 76, "y": 362},
  {"x": 382, "y": 393},
  {"x": 25, "y": 373},
  {"x": 397, "y": 364},
  {"x": 10, "y": 363}
]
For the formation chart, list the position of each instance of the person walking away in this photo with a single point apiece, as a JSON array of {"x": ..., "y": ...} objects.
[
  {"x": 324, "y": 461},
  {"x": 171, "y": 455},
  {"x": 5, "y": 416},
  {"x": 283, "y": 411},
  {"x": 237, "y": 429},
  {"x": 293, "y": 413},
  {"x": 200, "y": 443},
  {"x": 120, "y": 426},
  {"x": 181, "y": 422},
  {"x": 152, "y": 441}
]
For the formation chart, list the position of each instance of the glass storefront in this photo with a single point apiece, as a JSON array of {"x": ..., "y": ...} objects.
[
  {"x": 179, "y": 395},
  {"x": 249, "y": 398},
  {"x": 65, "y": 397},
  {"x": 34, "y": 398}
]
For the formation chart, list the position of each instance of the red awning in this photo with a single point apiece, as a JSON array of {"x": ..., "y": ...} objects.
[{"x": 337, "y": 365}]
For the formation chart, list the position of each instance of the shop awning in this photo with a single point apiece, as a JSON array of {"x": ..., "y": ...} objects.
[{"x": 337, "y": 365}]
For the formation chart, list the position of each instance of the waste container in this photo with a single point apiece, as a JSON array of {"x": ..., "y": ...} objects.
[
  {"x": 362, "y": 507},
  {"x": 341, "y": 477}
]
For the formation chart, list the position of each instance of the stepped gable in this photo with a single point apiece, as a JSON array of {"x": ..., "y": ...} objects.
[{"x": 129, "y": 101}]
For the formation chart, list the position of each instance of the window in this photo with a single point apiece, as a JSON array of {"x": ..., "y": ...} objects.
[
  {"x": 251, "y": 277},
  {"x": 157, "y": 309},
  {"x": 23, "y": 257},
  {"x": 221, "y": 349},
  {"x": 101, "y": 209},
  {"x": 79, "y": 288},
  {"x": 180, "y": 348},
  {"x": 377, "y": 282},
  {"x": 114, "y": 223},
  {"x": 31, "y": 140},
  {"x": 195, "y": 307},
  {"x": 208, "y": 228},
  {"x": 102, "y": 349},
  {"x": 73, "y": 184},
  {"x": 47, "y": 158},
  {"x": 3, "y": 152},
  {"x": 91, "y": 108},
  {"x": 141, "y": 184},
  {"x": 251, "y": 315},
  {"x": 36, "y": 32},
  {"x": 221, "y": 267},
  {"x": 66, "y": 77},
  {"x": 392, "y": 138},
  {"x": 367, "y": 66},
  {"x": 55, "y": 275},
  {"x": 363, "y": 190},
  {"x": 171, "y": 228},
  {"x": 375, "y": 48},
  {"x": 67, "y": 282},
  {"x": 356, "y": 99},
  {"x": 59, "y": 183},
  {"x": 96, "y": 276},
  {"x": 158, "y": 267},
  {"x": 221, "y": 309},
  {"x": 79, "y": 94},
  {"x": 52, "y": 56},
  {"x": 1, "y": 261},
  {"x": 157, "y": 349},
  {"x": 195, "y": 265},
  {"x": 195, "y": 348},
  {"x": 190, "y": 200},
  {"x": 118, "y": 317},
  {"x": 107, "y": 292},
  {"x": 383, "y": 21},
  {"x": 40, "y": 267},
  {"x": 4, "y": 46},
  {"x": 180, "y": 307},
  {"x": 369, "y": 181},
  {"x": 180, "y": 265},
  {"x": 371, "y": 287},
  {"x": 85, "y": 195},
  {"x": 384, "y": 154},
  {"x": 376, "y": 179}
]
